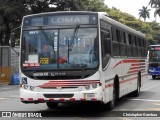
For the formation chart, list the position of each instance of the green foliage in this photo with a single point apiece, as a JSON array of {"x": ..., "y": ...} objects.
[
  {"x": 144, "y": 13},
  {"x": 12, "y": 11}
]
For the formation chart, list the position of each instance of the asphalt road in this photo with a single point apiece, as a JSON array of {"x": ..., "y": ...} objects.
[{"x": 148, "y": 102}]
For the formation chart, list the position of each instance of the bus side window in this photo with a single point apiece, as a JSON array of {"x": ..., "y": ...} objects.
[{"x": 106, "y": 47}]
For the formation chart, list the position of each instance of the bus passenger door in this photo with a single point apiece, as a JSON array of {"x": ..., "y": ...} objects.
[{"x": 106, "y": 54}]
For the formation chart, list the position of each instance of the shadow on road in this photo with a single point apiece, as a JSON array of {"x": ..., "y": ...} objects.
[{"x": 77, "y": 110}]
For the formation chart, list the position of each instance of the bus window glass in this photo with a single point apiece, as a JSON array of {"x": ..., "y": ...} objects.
[
  {"x": 68, "y": 50},
  {"x": 154, "y": 56}
]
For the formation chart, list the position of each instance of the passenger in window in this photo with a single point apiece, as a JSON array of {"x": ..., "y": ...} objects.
[
  {"x": 62, "y": 54},
  {"x": 92, "y": 54},
  {"x": 47, "y": 52}
]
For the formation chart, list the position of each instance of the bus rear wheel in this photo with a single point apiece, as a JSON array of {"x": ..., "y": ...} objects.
[
  {"x": 137, "y": 91},
  {"x": 153, "y": 76},
  {"x": 52, "y": 104}
]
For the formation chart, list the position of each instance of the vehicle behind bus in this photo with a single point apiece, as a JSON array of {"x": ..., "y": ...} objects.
[{"x": 154, "y": 61}]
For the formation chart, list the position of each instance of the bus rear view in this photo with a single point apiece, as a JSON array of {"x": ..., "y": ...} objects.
[{"x": 154, "y": 61}]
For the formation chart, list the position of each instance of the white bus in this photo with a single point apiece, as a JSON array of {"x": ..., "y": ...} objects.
[{"x": 88, "y": 57}]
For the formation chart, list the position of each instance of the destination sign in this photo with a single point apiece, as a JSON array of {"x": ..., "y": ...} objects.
[
  {"x": 68, "y": 20},
  {"x": 154, "y": 48},
  {"x": 60, "y": 20}
]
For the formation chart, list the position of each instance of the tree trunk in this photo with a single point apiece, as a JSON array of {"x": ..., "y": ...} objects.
[{"x": 7, "y": 36}]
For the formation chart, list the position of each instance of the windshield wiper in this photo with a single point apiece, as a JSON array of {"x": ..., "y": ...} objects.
[
  {"x": 47, "y": 38},
  {"x": 71, "y": 43},
  {"x": 74, "y": 35}
]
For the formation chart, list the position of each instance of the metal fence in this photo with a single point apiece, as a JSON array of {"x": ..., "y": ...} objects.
[
  {"x": 5, "y": 64},
  {"x": 15, "y": 60}
]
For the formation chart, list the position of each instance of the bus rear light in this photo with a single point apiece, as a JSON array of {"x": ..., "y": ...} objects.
[
  {"x": 30, "y": 98},
  {"x": 61, "y": 99},
  {"x": 72, "y": 99},
  {"x": 41, "y": 99},
  {"x": 51, "y": 99},
  {"x": 21, "y": 99},
  {"x": 83, "y": 99},
  {"x": 93, "y": 98}
]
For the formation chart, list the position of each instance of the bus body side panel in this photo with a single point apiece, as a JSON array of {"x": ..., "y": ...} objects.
[{"x": 127, "y": 71}]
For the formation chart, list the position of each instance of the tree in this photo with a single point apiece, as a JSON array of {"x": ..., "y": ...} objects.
[
  {"x": 11, "y": 13},
  {"x": 144, "y": 13},
  {"x": 155, "y": 4},
  {"x": 38, "y": 6}
]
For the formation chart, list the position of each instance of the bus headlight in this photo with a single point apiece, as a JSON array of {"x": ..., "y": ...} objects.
[
  {"x": 94, "y": 85},
  {"x": 25, "y": 86},
  {"x": 87, "y": 87},
  {"x": 31, "y": 88}
]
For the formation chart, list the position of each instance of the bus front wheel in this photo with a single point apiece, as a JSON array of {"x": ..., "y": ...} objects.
[
  {"x": 52, "y": 104},
  {"x": 111, "y": 104}
]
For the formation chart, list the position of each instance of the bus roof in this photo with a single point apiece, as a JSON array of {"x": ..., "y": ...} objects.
[
  {"x": 120, "y": 25},
  {"x": 155, "y": 45},
  {"x": 102, "y": 15}
]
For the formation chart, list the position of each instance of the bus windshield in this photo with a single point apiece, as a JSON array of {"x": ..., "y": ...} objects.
[
  {"x": 154, "y": 56},
  {"x": 52, "y": 49}
]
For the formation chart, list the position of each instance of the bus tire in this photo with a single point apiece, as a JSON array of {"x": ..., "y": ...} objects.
[
  {"x": 137, "y": 91},
  {"x": 52, "y": 104},
  {"x": 111, "y": 104},
  {"x": 153, "y": 76}
]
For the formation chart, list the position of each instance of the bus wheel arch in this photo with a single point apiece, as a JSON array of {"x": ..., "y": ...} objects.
[
  {"x": 139, "y": 79},
  {"x": 115, "y": 95},
  {"x": 137, "y": 91}
]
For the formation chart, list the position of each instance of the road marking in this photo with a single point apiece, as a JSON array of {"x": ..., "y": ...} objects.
[
  {"x": 148, "y": 109},
  {"x": 147, "y": 100},
  {"x": 15, "y": 96},
  {"x": 3, "y": 98},
  {"x": 4, "y": 88}
]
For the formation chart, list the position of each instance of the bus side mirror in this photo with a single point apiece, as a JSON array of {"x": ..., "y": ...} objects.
[{"x": 12, "y": 39}]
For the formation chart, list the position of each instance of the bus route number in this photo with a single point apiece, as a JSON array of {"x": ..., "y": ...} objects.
[{"x": 44, "y": 60}]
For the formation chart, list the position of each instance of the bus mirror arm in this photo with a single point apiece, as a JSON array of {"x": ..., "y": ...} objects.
[{"x": 12, "y": 39}]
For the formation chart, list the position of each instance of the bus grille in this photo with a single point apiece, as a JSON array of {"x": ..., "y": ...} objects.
[{"x": 58, "y": 95}]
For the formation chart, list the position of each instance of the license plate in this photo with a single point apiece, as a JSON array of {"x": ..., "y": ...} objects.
[{"x": 89, "y": 95}]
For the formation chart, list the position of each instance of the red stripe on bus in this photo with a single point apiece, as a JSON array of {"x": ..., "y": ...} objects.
[
  {"x": 128, "y": 61},
  {"x": 123, "y": 81},
  {"x": 137, "y": 67},
  {"x": 51, "y": 84},
  {"x": 75, "y": 81},
  {"x": 133, "y": 71},
  {"x": 108, "y": 85},
  {"x": 138, "y": 64}
]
